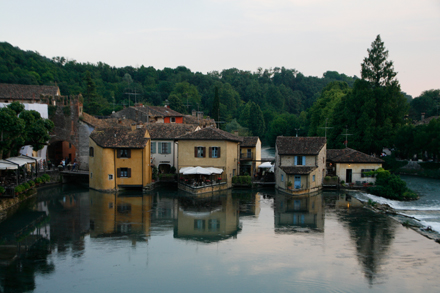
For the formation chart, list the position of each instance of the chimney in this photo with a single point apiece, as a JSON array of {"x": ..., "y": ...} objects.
[
  {"x": 236, "y": 132},
  {"x": 423, "y": 116},
  {"x": 119, "y": 121},
  {"x": 194, "y": 113},
  {"x": 133, "y": 126},
  {"x": 140, "y": 125}
]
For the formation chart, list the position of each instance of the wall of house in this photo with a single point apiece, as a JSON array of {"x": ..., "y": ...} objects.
[
  {"x": 158, "y": 159},
  {"x": 135, "y": 163},
  {"x": 228, "y": 161},
  {"x": 341, "y": 169},
  {"x": 178, "y": 120},
  {"x": 100, "y": 166}
]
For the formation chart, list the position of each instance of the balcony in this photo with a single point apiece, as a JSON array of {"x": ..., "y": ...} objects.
[{"x": 246, "y": 156}]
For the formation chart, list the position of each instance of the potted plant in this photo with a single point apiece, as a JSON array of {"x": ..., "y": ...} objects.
[
  {"x": 289, "y": 185},
  {"x": 2, "y": 190}
]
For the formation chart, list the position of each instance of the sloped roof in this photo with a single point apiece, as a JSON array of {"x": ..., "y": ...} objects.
[
  {"x": 105, "y": 123},
  {"x": 349, "y": 155},
  {"x": 159, "y": 111},
  {"x": 27, "y": 92},
  {"x": 297, "y": 170},
  {"x": 120, "y": 137},
  {"x": 210, "y": 133},
  {"x": 169, "y": 130},
  {"x": 249, "y": 141},
  {"x": 291, "y": 145},
  {"x": 188, "y": 119}
]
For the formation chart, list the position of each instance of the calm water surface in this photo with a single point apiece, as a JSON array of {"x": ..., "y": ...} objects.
[{"x": 169, "y": 241}]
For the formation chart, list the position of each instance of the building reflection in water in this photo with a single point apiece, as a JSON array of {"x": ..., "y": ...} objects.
[
  {"x": 298, "y": 213},
  {"x": 207, "y": 218},
  {"x": 371, "y": 233},
  {"x": 118, "y": 215}
]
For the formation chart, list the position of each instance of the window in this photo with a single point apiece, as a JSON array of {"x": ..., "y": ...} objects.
[
  {"x": 70, "y": 145},
  {"x": 214, "y": 152},
  {"x": 313, "y": 178},
  {"x": 153, "y": 147},
  {"x": 164, "y": 147},
  {"x": 91, "y": 152},
  {"x": 300, "y": 160},
  {"x": 282, "y": 177},
  {"x": 110, "y": 176},
  {"x": 199, "y": 152},
  {"x": 214, "y": 225},
  {"x": 124, "y": 172},
  {"x": 249, "y": 154},
  {"x": 173, "y": 119},
  {"x": 124, "y": 153},
  {"x": 199, "y": 224},
  {"x": 363, "y": 171},
  {"x": 110, "y": 205}
]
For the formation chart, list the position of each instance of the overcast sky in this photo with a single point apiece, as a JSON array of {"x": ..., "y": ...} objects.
[{"x": 312, "y": 36}]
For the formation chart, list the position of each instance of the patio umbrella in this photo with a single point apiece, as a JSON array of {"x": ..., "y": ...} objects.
[
  {"x": 265, "y": 165},
  {"x": 5, "y": 165},
  {"x": 197, "y": 171},
  {"x": 215, "y": 170},
  {"x": 185, "y": 169}
]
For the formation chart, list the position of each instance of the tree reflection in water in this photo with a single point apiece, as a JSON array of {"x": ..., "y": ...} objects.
[{"x": 371, "y": 233}]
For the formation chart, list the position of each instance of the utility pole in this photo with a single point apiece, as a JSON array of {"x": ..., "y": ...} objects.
[
  {"x": 135, "y": 94},
  {"x": 346, "y": 136},
  {"x": 326, "y": 120}
]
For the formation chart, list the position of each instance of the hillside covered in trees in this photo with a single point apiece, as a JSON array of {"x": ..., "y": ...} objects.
[{"x": 267, "y": 102}]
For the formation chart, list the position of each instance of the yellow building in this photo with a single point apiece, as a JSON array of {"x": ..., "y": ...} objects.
[
  {"x": 300, "y": 164},
  {"x": 119, "y": 158},
  {"x": 211, "y": 147},
  {"x": 351, "y": 165},
  {"x": 250, "y": 155}
]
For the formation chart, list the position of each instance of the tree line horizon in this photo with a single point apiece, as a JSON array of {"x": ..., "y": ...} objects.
[{"x": 266, "y": 103}]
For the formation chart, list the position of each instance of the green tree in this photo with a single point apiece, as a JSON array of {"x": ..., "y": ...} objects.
[
  {"x": 11, "y": 130},
  {"x": 256, "y": 120},
  {"x": 176, "y": 104},
  {"x": 375, "y": 68},
  {"x": 215, "y": 114}
]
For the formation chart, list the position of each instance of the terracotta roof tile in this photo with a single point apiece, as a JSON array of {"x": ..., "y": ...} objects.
[
  {"x": 169, "y": 130},
  {"x": 156, "y": 111},
  {"x": 120, "y": 137},
  {"x": 249, "y": 141},
  {"x": 210, "y": 133},
  {"x": 291, "y": 145},
  {"x": 297, "y": 170},
  {"x": 26, "y": 92},
  {"x": 349, "y": 155}
]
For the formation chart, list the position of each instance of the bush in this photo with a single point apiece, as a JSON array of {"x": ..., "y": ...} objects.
[
  {"x": 327, "y": 178},
  {"x": 391, "y": 186},
  {"x": 31, "y": 183},
  {"x": 2, "y": 189},
  {"x": 26, "y": 186},
  {"x": 46, "y": 176},
  {"x": 242, "y": 180},
  {"x": 38, "y": 180},
  {"x": 154, "y": 175},
  {"x": 173, "y": 170},
  {"x": 18, "y": 189}
]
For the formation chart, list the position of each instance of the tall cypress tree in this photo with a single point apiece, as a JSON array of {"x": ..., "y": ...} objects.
[{"x": 216, "y": 106}]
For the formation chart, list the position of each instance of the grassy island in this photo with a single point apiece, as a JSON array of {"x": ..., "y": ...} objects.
[{"x": 391, "y": 186}]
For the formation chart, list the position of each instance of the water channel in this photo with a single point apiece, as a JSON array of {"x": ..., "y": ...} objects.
[{"x": 235, "y": 241}]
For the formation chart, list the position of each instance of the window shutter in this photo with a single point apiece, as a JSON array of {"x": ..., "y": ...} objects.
[
  {"x": 168, "y": 147},
  {"x": 210, "y": 152},
  {"x": 296, "y": 160},
  {"x": 159, "y": 147},
  {"x": 118, "y": 172},
  {"x": 204, "y": 152},
  {"x": 129, "y": 172},
  {"x": 303, "y": 160},
  {"x": 218, "y": 152},
  {"x": 195, "y": 152},
  {"x": 118, "y": 154},
  {"x": 129, "y": 153},
  {"x": 153, "y": 147}
]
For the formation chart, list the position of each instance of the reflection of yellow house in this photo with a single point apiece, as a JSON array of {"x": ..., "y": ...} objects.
[
  {"x": 111, "y": 214},
  {"x": 250, "y": 155},
  {"x": 210, "y": 147},
  {"x": 299, "y": 164},
  {"x": 216, "y": 222},
  {"x": 119, "y": 157},
  {"x": 299, "y": 211}
]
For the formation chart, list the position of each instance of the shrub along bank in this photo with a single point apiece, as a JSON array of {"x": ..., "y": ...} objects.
[{"x": 390, "y": 186}]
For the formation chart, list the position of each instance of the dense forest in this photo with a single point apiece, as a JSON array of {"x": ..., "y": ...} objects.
[{"x": 267, "y": 102}]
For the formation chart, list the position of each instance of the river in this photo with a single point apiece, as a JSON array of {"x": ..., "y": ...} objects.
[
  {"x": 425, "y": 210},
  {"x": 235, "y": 241}
]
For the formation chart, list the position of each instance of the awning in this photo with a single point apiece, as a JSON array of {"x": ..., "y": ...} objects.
[
  {"x": 5, "y": 165},
  {"x": 18, "y": 161},
  {"x": 200, "y": 170},
  {"x": 266, "y": 165}
]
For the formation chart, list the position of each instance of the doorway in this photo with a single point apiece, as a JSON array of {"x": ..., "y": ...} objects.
[{"x": 348, "y": 175}]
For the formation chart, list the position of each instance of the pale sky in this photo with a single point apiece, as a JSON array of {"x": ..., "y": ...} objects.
[{"x": 311, "y": 36}]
